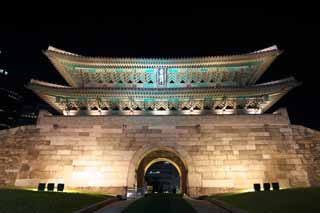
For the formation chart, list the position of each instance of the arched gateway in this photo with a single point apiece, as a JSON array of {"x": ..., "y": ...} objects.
[
  {"x": 158, "y": 156},
  {"x": 150, "y": 154}
]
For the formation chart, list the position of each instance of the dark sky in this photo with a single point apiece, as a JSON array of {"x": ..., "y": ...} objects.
[{"x": 197, "y": 32}]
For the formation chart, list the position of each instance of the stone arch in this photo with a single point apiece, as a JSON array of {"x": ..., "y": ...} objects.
[
  {"x": 156, "y": 160},
  {"x": 162, "y": 155},
  {"x": 139, "y": 155}
]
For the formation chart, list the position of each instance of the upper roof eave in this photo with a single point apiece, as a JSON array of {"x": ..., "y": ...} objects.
[
  {"x": 288, "y": 83},
  {"x": 272, "y": 51}
]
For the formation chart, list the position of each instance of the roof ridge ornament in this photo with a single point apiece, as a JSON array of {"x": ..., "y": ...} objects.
[
  {"x": 43, "y": 83},
  {"x": 268, "y": 49},
  {"x": 54, "y": 49}
]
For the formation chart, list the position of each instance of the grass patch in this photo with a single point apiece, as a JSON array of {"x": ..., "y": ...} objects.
[
  {"x": 160, "y": 203},
  {"x": 284, "y": 201},
  {"x": 23, "y": 200}
]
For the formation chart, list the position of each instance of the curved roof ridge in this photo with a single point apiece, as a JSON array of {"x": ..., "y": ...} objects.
[
  {"x": 43, "y": 83},
  {"x": 289, "y": 79},
  {"x": 54, "y": 49},
  {"x": 271, "y": 49}
]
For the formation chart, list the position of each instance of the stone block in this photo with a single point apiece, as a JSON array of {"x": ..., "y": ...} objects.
[
  {"x": 84, "y": 133},
  {"x": 219, "y": 183},
  {"x": 64, "y": 152},
  {"x": 265, "y": 156},
  {"x": 194, "y": 180},
  {"x": 26, "y": 182}
]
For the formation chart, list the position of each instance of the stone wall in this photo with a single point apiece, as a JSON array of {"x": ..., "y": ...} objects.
[{"x": 220, "y": 152}]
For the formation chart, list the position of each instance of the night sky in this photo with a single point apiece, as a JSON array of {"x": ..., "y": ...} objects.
[{"x": 197, "y": 32}]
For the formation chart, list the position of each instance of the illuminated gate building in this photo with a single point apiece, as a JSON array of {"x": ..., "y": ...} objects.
[{"x": 204, "y": 115}]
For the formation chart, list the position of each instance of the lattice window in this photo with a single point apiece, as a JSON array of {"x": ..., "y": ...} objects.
[
  {"x": 185, "y": 105},
  {"x": 128, "y": 77},
  {"x": 254, "y": 104},
  {"x": 172, "y": 78},
  {"x": 219, "y": 104},
  {"x": 97, "y": 77},
  {"x": 150, "y": 78},
  {"x": 231, "y": 104},
  {"x": 216, "y": 76},
  {"x": 71, "y": 106},
  {"x": 203, "y": 77},
  {"x": 161, "y": 105},
  {"x": 173, "y": 105},
  {"x": 149, "y": 106},
  {"x": 225, "y": 76},
  {"x": 137, "y": 105},
  {"x": 93, "y": 106},
  {"x": 197, "y": 105},
  {"x": 213, "y": 76},
  {"x": 194, "y": 76},
  {"x": 182, "y": 77},
  {"x": 109, "y": 77},
  {"x": 125, "y": 105},
  {"x": 103, "y": 104},
  {"x": 139, "y": 76},
  {"x": 119, "y": 77},
  {"x": 85, "y": 77}
]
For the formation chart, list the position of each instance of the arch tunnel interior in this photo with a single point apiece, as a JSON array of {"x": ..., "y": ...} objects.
[{"x": 162, "y": 171}]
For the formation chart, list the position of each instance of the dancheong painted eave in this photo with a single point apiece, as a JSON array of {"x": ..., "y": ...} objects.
[
  {"x": 254, "y": 99},
  {"x": 86, "y": 71}
]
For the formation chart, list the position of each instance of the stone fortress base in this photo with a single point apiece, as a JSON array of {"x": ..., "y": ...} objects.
[{"x": 213, "y": 153}]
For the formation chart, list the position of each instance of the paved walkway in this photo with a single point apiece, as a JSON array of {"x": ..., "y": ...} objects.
[
  {"x": 203, "y": 206},
  {"x": 116, "y": 207}
]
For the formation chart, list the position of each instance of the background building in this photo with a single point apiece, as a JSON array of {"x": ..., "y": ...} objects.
[
  {"x": 10, "y": 100},
  {"x": 15, "y": 109},
  {"x": 9, "y": 107}
]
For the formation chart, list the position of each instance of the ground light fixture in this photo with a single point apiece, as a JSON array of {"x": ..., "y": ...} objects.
[
  {"x": 60, "y": 187},
  {"x": 275, "y": 186},
  {"x": 50, "y": 187},
  {"x": 41, "y": 187},
  {"x": 257, "y": 187},
  {"x": 266, "y": 187}
]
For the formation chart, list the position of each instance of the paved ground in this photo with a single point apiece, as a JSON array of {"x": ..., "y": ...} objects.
[
  {"x": 116, "y": 207},
  {"x": 203, "y": 206}
]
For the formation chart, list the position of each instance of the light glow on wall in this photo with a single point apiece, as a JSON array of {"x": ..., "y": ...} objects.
[{"x": 86, "y": 178}]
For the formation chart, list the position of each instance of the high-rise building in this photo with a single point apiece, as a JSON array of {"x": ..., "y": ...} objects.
[{"x": 10, "y": 102}]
